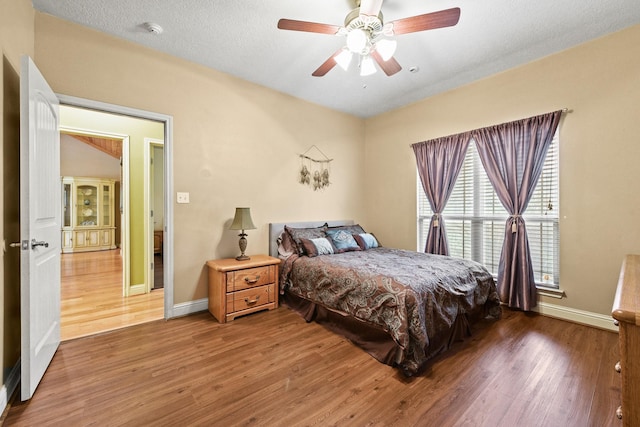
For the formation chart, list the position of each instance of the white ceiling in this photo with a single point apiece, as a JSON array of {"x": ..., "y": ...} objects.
[{"x": 240, "y": 37}]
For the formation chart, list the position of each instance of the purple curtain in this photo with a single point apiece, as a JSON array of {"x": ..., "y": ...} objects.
[
  {"x": 439, "y": 162},
  {"x": 513, "y": 156}
]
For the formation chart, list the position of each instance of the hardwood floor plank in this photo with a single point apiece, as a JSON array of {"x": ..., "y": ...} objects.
[{"x": 272, "y": 368}]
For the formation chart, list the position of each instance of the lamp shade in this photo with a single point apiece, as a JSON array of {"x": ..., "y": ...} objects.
[
  {"x": 366, "y": 66},
  {"x": 242, "y": 220}
]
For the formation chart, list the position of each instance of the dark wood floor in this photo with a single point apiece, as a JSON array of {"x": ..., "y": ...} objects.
[{"x": 273, "y": 369}]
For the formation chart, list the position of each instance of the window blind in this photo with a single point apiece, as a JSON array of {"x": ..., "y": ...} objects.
[{"x": 475, "y": 218}]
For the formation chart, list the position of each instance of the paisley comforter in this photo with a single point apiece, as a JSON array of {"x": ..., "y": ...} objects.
[{"x": 413, "y": 296}]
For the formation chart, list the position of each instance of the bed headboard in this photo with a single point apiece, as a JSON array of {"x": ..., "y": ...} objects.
[{"x": 275, "y": 228}]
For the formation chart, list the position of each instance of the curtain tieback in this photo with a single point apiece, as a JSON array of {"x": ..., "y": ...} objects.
[
  {"x": 514, "y": 224},
  {"x": 436, "y": 220}
]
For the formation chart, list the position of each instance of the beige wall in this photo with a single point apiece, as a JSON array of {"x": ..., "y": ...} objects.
[
  {"x": 234, "y": 143},
  {"x": 16, "y": 39},
  {"x": 599, "y": 155},
  {"x": 80, "y": 159}
]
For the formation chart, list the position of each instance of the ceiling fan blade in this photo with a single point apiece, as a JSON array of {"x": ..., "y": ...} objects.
[
  {"x": 428, "y": 21},
  {"x": 310, "y": 27},
  {"x": 326, "y": 65},
  {"x": 370, "y": 7},
  {"x": 390, "y": 66}
]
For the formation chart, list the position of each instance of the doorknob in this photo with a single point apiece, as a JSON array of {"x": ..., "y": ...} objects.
[{"x": 35, "y": 243}]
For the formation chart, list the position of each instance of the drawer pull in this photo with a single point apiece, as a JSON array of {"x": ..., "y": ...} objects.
[
  {"x": 618, "y": 367},
  {"x": 251, "y": 301},
  {"x": 254, "y": 280},
  {"x": 619, "y": 412}
]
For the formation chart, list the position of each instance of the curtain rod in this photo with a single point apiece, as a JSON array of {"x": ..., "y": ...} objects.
[{"x": 564, "y": 110}]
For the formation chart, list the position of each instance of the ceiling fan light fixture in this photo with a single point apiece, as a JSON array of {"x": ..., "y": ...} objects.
[
  {"x": 367, "y": 67},
  {"x": 357, "y": 40},
  {"x": 343, "y": 59},
  {"x": 386, "y": 48}
]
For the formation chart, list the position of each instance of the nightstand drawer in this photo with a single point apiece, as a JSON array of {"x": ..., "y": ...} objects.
[
  {"x": 250, "y": 298},
  {"x": 250, "y": 278}
]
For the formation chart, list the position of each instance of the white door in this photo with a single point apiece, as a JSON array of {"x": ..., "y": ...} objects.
[{"x": 40, "y": 226}]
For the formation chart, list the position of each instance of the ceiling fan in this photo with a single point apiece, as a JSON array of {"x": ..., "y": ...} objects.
[{"x": 368, "y": 36}]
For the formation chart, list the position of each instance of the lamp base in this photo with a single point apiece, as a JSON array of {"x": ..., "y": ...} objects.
[{"x": 243, "y": 246}]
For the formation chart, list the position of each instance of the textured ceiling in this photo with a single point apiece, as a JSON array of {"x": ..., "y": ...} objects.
[{"x": 240, "y": 37}]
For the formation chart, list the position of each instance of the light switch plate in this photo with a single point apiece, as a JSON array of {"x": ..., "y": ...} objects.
[{"x": 182, "y": 197}]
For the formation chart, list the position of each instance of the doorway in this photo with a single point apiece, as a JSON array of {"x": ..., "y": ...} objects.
[{"x": 106, "y": 288}]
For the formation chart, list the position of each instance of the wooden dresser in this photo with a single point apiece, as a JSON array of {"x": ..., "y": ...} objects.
[
  {"x": 626, "y": 311},
  {"x": 237, "y": 288}
]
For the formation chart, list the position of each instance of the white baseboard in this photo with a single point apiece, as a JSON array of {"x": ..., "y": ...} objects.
[
  {"x": 190, "y": 307},
  {"x": 138, "y": 289},
  {"x": 589, "y": 318},
  {"x": 9, "y": 387}
]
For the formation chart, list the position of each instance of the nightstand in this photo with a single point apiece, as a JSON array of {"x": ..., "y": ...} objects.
[{"x": 237, "y": 288}]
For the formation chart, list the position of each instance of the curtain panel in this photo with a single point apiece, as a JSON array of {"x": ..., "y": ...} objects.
[
  {"x": 513, "y": 155},
  {"x": 439, "y": 162}
]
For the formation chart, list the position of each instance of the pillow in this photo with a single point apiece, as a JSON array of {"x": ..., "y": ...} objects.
[
  {"x": 315, "y": 247},
  {"x": 366, "y": 241},
  {"x": 286, "y": 245},
  {"x": 351, "y": 229},
  {"x": 305, "y": 233},
  {"x": 343, "y": 240}
]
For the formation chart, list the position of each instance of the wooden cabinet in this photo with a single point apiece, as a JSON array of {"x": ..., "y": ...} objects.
[
  {"x": 242, "y": 287},
  {"x": 87, "y": 214},
  {"x": 626, "y": 311}
]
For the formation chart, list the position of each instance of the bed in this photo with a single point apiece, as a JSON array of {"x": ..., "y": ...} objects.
[{"x": 401, "y": 307}]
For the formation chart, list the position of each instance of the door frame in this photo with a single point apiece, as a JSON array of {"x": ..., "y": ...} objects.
[
  {"x": 168, "y": 179},
  {"x": 124, "y": 188},
  {"x": 149, "y": 144}
]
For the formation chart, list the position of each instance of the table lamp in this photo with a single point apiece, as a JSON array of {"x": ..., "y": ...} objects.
[{"x": 242, "y": 221}]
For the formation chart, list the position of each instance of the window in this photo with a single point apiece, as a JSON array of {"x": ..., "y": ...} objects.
[{"x": 475, "y": 218}]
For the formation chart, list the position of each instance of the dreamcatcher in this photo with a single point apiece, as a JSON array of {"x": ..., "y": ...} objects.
[{"x": 314, "y": 172}]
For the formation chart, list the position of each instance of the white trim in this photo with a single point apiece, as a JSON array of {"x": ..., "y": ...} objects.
[
  {"x": 191, "y": 307},
  {"x": 138, "y": 289},
  {"x": 3, "y": 398},
  {"x": 574, "y": 315},
  {"x": 148, "y": 145},
  {"x": 10, "y": 385},
  {"x": 168, "y": 181},
  {"x": 125, "y": 220},
  {"x": 550, "y": 292},
  {"x": 125, "y": 235}
]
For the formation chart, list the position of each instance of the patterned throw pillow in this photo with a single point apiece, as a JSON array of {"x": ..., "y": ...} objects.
[
  {"x": 351, "y": 229},
  {"x": 366, "y": 241},
  {"x": 323, "y": 246},
  {"x": 315, "y": 247},
  {"x": 343, "y": 240},
  {"x": 305, "y": 233}
]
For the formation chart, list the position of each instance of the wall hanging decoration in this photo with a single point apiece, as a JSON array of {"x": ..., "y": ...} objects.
[{"x": 314, "y": 171}]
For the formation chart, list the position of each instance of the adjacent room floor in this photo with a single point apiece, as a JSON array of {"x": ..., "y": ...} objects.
[{"x": 91, "y": 296}]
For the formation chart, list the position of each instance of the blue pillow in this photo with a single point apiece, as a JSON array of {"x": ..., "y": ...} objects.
[
  {"x": 369, "y": 240},
  {"x": 343, "y": 240}
]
